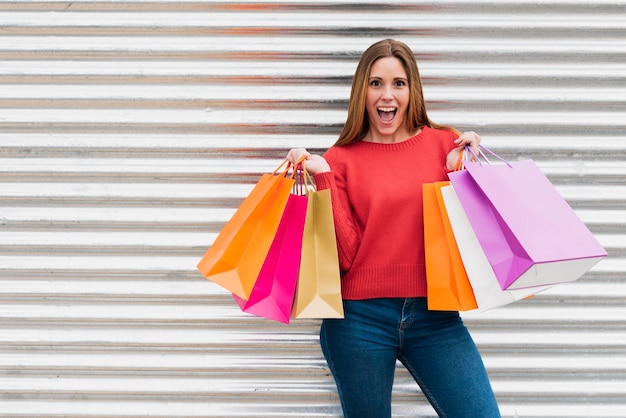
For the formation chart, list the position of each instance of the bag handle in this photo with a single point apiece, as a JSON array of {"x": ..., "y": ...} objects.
[
  {"x": 481, "y": 153},
  {"x": 308, "y": 181},
  {"x": 300, "y": 184},
  {"x": 304, "y": 181},
  {"x": 298, "y": 175},
  {"x": 289, "y": 166},
  {"x": 464, "y": 156},
  {"x": 285, "y": 171},
  {"x": 458, "y": 166}
]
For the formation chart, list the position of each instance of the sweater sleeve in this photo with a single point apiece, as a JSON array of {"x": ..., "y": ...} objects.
[{"x": 348, "y": 236}]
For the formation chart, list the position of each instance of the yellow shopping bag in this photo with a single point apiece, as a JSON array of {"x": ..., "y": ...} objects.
[{"x": 318, "y": 290}]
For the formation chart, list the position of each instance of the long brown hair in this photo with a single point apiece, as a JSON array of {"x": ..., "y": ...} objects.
[{"x": 357, "y": 124}]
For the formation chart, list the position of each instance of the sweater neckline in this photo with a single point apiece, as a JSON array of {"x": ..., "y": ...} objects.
[{"x": 408, "y": 143}]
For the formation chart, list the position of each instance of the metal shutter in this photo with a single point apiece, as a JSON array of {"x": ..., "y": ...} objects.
[{"x": 131, "y": 130}]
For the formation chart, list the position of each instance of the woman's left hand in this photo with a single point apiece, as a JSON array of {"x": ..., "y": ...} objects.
[{"x": 469, "y": 138}]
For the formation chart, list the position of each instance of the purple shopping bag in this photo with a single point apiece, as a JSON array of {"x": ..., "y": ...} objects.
[
  {"x": 529, "y": 233},
  {"x": 485, "y": 285},
  {"x": 273, "y": 292}
]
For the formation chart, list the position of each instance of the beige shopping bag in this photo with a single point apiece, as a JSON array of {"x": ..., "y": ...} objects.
[{"x": 318, "y": 291}]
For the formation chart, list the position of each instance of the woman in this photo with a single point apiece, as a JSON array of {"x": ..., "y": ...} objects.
[{"x": 375, "y": 170}]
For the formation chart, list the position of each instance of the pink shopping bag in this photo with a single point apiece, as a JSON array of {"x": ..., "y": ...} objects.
[
  {"x": 273, "y": 292},
  {"x": 529, "y": 233}
]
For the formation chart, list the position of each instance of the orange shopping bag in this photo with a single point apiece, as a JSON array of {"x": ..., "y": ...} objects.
[
  {"x": 448, "y": 287},
  {"x": 237, "y": 255}
]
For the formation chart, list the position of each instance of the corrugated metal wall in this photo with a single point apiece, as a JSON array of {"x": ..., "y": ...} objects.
[{"x": 131, "y": 130}]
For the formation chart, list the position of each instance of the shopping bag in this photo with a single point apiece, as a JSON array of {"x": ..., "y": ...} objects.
[
  {"x": 237, "y": 255},
  {"x": 485, "y": 285},
  {"x": 529, "y": 233},
  {"x": 273, "y": 292},
  {"x": 447, "y": 285},
  {"x": 318, "y": 290}
]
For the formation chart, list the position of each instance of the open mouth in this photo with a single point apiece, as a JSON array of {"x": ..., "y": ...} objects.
[{"x": 386, "y": 114}]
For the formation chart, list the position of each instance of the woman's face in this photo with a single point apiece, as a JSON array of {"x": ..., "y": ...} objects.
[{"x": 387, "y": 101}]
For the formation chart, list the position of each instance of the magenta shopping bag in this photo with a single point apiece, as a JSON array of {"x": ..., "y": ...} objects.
[
  {"x": 273, "y": 292},
  {"x": 529, "y": 233}
]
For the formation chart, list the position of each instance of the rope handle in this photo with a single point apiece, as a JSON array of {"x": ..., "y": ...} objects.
[
  {"x": 289, "y": 166},
  {"x": 304, "y": 181},
  {"x": 308, "y": 179},
  {"x": 481, "y": 154}
]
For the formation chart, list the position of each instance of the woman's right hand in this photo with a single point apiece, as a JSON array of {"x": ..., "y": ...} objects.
[{"x": 314, "y": 163}]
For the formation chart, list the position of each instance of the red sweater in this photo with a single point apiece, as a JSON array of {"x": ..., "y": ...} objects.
[{"x": 376, "y": 192}]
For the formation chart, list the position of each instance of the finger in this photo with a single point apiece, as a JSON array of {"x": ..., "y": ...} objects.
[
  {"x": 464, "y": 138},
  {"x": 474, "y": 136},
  {"x": 470, "y": 138},
  {"x": 463, "y": 141},
  {"x": 296, "y": 153}
]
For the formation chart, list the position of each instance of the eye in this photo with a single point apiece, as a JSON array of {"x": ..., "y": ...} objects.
[
  {"x": 375, "y": 83},
  {"x": 400, "y": 83}
]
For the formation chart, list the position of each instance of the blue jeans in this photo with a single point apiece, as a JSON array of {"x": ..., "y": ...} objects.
[{"x": 435, "y": 347}]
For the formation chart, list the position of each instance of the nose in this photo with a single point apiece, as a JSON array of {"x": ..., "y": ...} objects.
[{"x": 387, "y": 93}]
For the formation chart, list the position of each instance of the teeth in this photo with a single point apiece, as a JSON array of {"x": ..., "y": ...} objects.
[{"x": 387, "y": 109}]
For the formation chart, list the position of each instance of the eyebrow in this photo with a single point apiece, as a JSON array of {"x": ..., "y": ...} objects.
[{"x": 395, "y": 78}]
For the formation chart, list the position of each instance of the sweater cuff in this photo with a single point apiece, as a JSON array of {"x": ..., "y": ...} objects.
[{"x": 324, "y": 180}]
